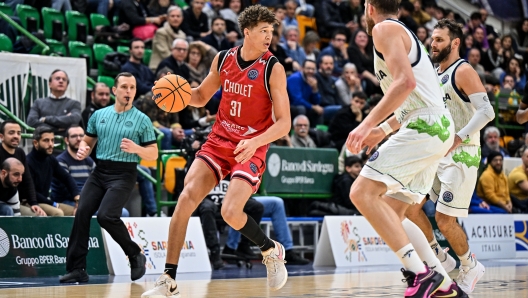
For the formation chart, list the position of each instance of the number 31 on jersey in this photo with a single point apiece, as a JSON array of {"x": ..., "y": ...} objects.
[{"x": 235, "y": 108}]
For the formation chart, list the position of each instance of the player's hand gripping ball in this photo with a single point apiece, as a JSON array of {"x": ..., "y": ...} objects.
[{"x": 172, "y": 93}]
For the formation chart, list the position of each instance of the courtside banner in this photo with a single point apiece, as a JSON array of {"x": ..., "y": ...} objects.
[
  {"x": 36, "y": 246},
  {"x": 490, "y": 236},
  {"x": 521, "y": 235},
  {"x": 351, "y": 241},
  {"x": 151, "y": 234}
]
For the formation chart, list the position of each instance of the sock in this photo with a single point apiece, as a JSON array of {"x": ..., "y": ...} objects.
[
  {"x": 170, "y": 269},
  {"x": 410, "y": 259},
  {"x": 437, "y": 249},
  {"x": 424, "y": 251},
  {"x": 253, "y": 232},
  {"x": 467, "y": 259}
]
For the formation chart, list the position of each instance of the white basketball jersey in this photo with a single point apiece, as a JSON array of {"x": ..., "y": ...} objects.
[
  {"x": 458, "y": 103},
  {"x": 427, "y": 93}
]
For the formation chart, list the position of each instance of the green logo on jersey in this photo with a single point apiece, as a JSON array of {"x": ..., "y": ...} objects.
[
  {"x": 466, "y": 141},
  {"x": 436, "y": 129},
  {"x": 467, "y": 159}
]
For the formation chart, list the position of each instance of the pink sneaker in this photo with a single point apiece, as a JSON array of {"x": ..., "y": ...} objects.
[{"x": 422, "y": 285}]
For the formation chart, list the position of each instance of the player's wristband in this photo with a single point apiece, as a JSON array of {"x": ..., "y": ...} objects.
[{"x": 385, "y": 126}]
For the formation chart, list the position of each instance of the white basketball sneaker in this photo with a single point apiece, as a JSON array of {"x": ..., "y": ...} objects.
[
  {"x": 449, "y": 263},
  {"x": 274, "y": 261},
  {"x": 165, "y": 287},
  {"x": 468, "y": 277}
]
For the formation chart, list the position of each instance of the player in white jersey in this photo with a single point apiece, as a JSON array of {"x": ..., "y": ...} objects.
[
  {"x": 466, "y": 99},
  {"x": 402, "y": 171}
]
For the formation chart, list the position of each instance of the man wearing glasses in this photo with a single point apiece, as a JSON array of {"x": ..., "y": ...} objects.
[
  {"x": 338, "y": 50},
  {"x": 176, "y": 61},
  {"x": 300, "y": 137},
  {"x": 56, "y": 111}
]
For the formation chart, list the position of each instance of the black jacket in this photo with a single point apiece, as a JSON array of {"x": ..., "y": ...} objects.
[
  {"x": 172, "y": 64},
  {"x": 212, "y": 41}
]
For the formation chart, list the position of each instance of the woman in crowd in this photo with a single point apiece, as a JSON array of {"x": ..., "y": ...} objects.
[
  {"x": 199, "y": 59},
  {"x": 162, "y": 43},
  {"x": 310, "y": 45},
  {"x": 348, "y": 83},
  {"x": 360, "y": 53},
  {"x": 517, "y": 71}
]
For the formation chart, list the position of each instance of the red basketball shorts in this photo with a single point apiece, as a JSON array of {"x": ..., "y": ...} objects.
[{"x": 217, "y": 154}]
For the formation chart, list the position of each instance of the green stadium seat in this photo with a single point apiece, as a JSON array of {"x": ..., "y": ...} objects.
[
  {"x": 77, "y": 49},
  {"x": 57, "y": 47},
  {"x": 146, "y": 56},
  {"x": 321, "y": 127},
  {"x": 24, "y": 12},
  {"x": 49, "y": 15},
  {"x": 123, "y": 49},
  {"x": 100, "y": 51},
  {"x": 98, "y": 20},
  {"x": 73, "y": 18},
  {"x": 6, "y": 9},
  {"x": 6, "y": 45},
  {"x": 109, "y": 81}
]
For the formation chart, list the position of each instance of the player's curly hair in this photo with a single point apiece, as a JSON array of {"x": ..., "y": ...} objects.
[
  {"x": 255, "y": 14},
  {"x": 454, "y": 28}
]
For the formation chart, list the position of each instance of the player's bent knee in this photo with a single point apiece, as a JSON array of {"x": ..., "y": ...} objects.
[{"x": 444, "y": 220}]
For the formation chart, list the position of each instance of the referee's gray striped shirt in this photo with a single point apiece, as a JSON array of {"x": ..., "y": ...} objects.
[{"x": 110, "y": 127}]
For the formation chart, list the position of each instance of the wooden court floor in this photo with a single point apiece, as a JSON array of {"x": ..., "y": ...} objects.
[{"x": 502, "y": 279}]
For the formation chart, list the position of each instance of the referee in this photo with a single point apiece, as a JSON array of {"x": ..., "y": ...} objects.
[{"x": 124, "y": 134}]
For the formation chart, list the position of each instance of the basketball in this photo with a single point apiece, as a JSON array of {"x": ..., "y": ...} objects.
[{"x": 172, "y": 93}]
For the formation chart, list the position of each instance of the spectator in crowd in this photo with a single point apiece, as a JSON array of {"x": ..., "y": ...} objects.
[
  {"x": 474, "y": 60},
  {"x": 478, "y": 205},
  {"x": 493, "y": 183},
  {"x": 508, "y": 83},
  {"x": 193, "y": 117},
  {"x": 280, "y": 53},
  {"x": 518, "y": 180},
  {"x": 199, "y": 61},
  {"x": 100, "y": 98},
  {"x": 304, "y": 93},
  {"x": 300, "y": 137},
  {"x": 310, "y": 45},
  {"x": 342, "y": 184},
  {"x": 475, "y": 21},
  {"x": 520, "y": 35},
  {"x": 405, "y": 15},
  {"x": 332, "y": 15},
  {"x": 507, "y": 49},
  {"x": 520, "y": 151},
  {"x": 290, "y": 19},
  {"x": 330, "y": 100},
  {"x": 357, "y": 10},
  {"x": 196, "y": 24},
  {"x": 419, "y": 15},
  {"x": 491, "y": 143},
  {"x": 360, "y": 53},
  {"x": 280, "y": 15},
  {"x": 158, "y": 7},
  {"x": 11, "y": 174},
  {"x": 98, "y": 6},
  {"x": 337, "y": 49},
  {"x": 43, "y": 168},
  {"x": 230, "y": 15},
  {"x": 348, "y": 83},
  {"x": 135, "y": 14},
  {"x": 61, "y": 5},
  {"x": 10, "y": 135},
  {"x": 493, "y": 58},
  {"x": 209, "y": 210},
  {"x": 273, "y": 208},
  {"x": 144, "y": 76},
  {"x": 466, "y": 46},
  {"x": 347, "y": 119},
  {"x": 522, "y": 114},
  {"x": 292, "y": 47},
  {"x": 516, "y": 70},
  {"x": 492, "y": 33},
  {"x": 218, "y": 38},
  {"x": 212, "y": 10},
  {"x": 56, "y": 111},
  {"x": 423, "y": 37},
  {"x": 478, "y": 39},
  {"x": 162, "y": 42},
  {"x": 431, "y": 9},
  {"x": 176, "y": 61}
]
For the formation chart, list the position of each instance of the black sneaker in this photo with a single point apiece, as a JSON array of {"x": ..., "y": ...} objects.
[
  {"x": 137, "y": 266},
  {"x": 245, "y": 251},
  {"x": 77, "y": 275},
  {"x": 215, "y": 259},
  {"x": 228, "y": 251},
  {"x": 292, "y": 258},
  {"x": 422, "y": 284}
]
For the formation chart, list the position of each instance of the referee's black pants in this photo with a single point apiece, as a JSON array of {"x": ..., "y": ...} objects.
[{"x": 106, "y": 192}]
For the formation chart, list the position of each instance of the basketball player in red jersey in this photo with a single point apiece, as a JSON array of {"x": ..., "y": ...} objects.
[{"x": 254, "y": 111}]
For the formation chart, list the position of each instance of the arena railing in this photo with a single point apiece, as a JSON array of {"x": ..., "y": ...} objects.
[
  {"x": 45, "y": 48},
  {"x": 512, "y": 108}
]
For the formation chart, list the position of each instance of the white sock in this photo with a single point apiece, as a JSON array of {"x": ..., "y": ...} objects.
[
  {"x": 410, "y": 259},
  {"x": 467, "y": 259},
  {"x": 437, "y": 249},
  {"x": 424, "y": 251}
]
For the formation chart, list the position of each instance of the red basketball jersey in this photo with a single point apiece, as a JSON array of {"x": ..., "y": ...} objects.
[{"x": 246, "y": 108}]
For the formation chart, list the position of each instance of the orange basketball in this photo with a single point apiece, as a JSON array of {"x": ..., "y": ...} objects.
[{"x": 172, "y": 93}]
